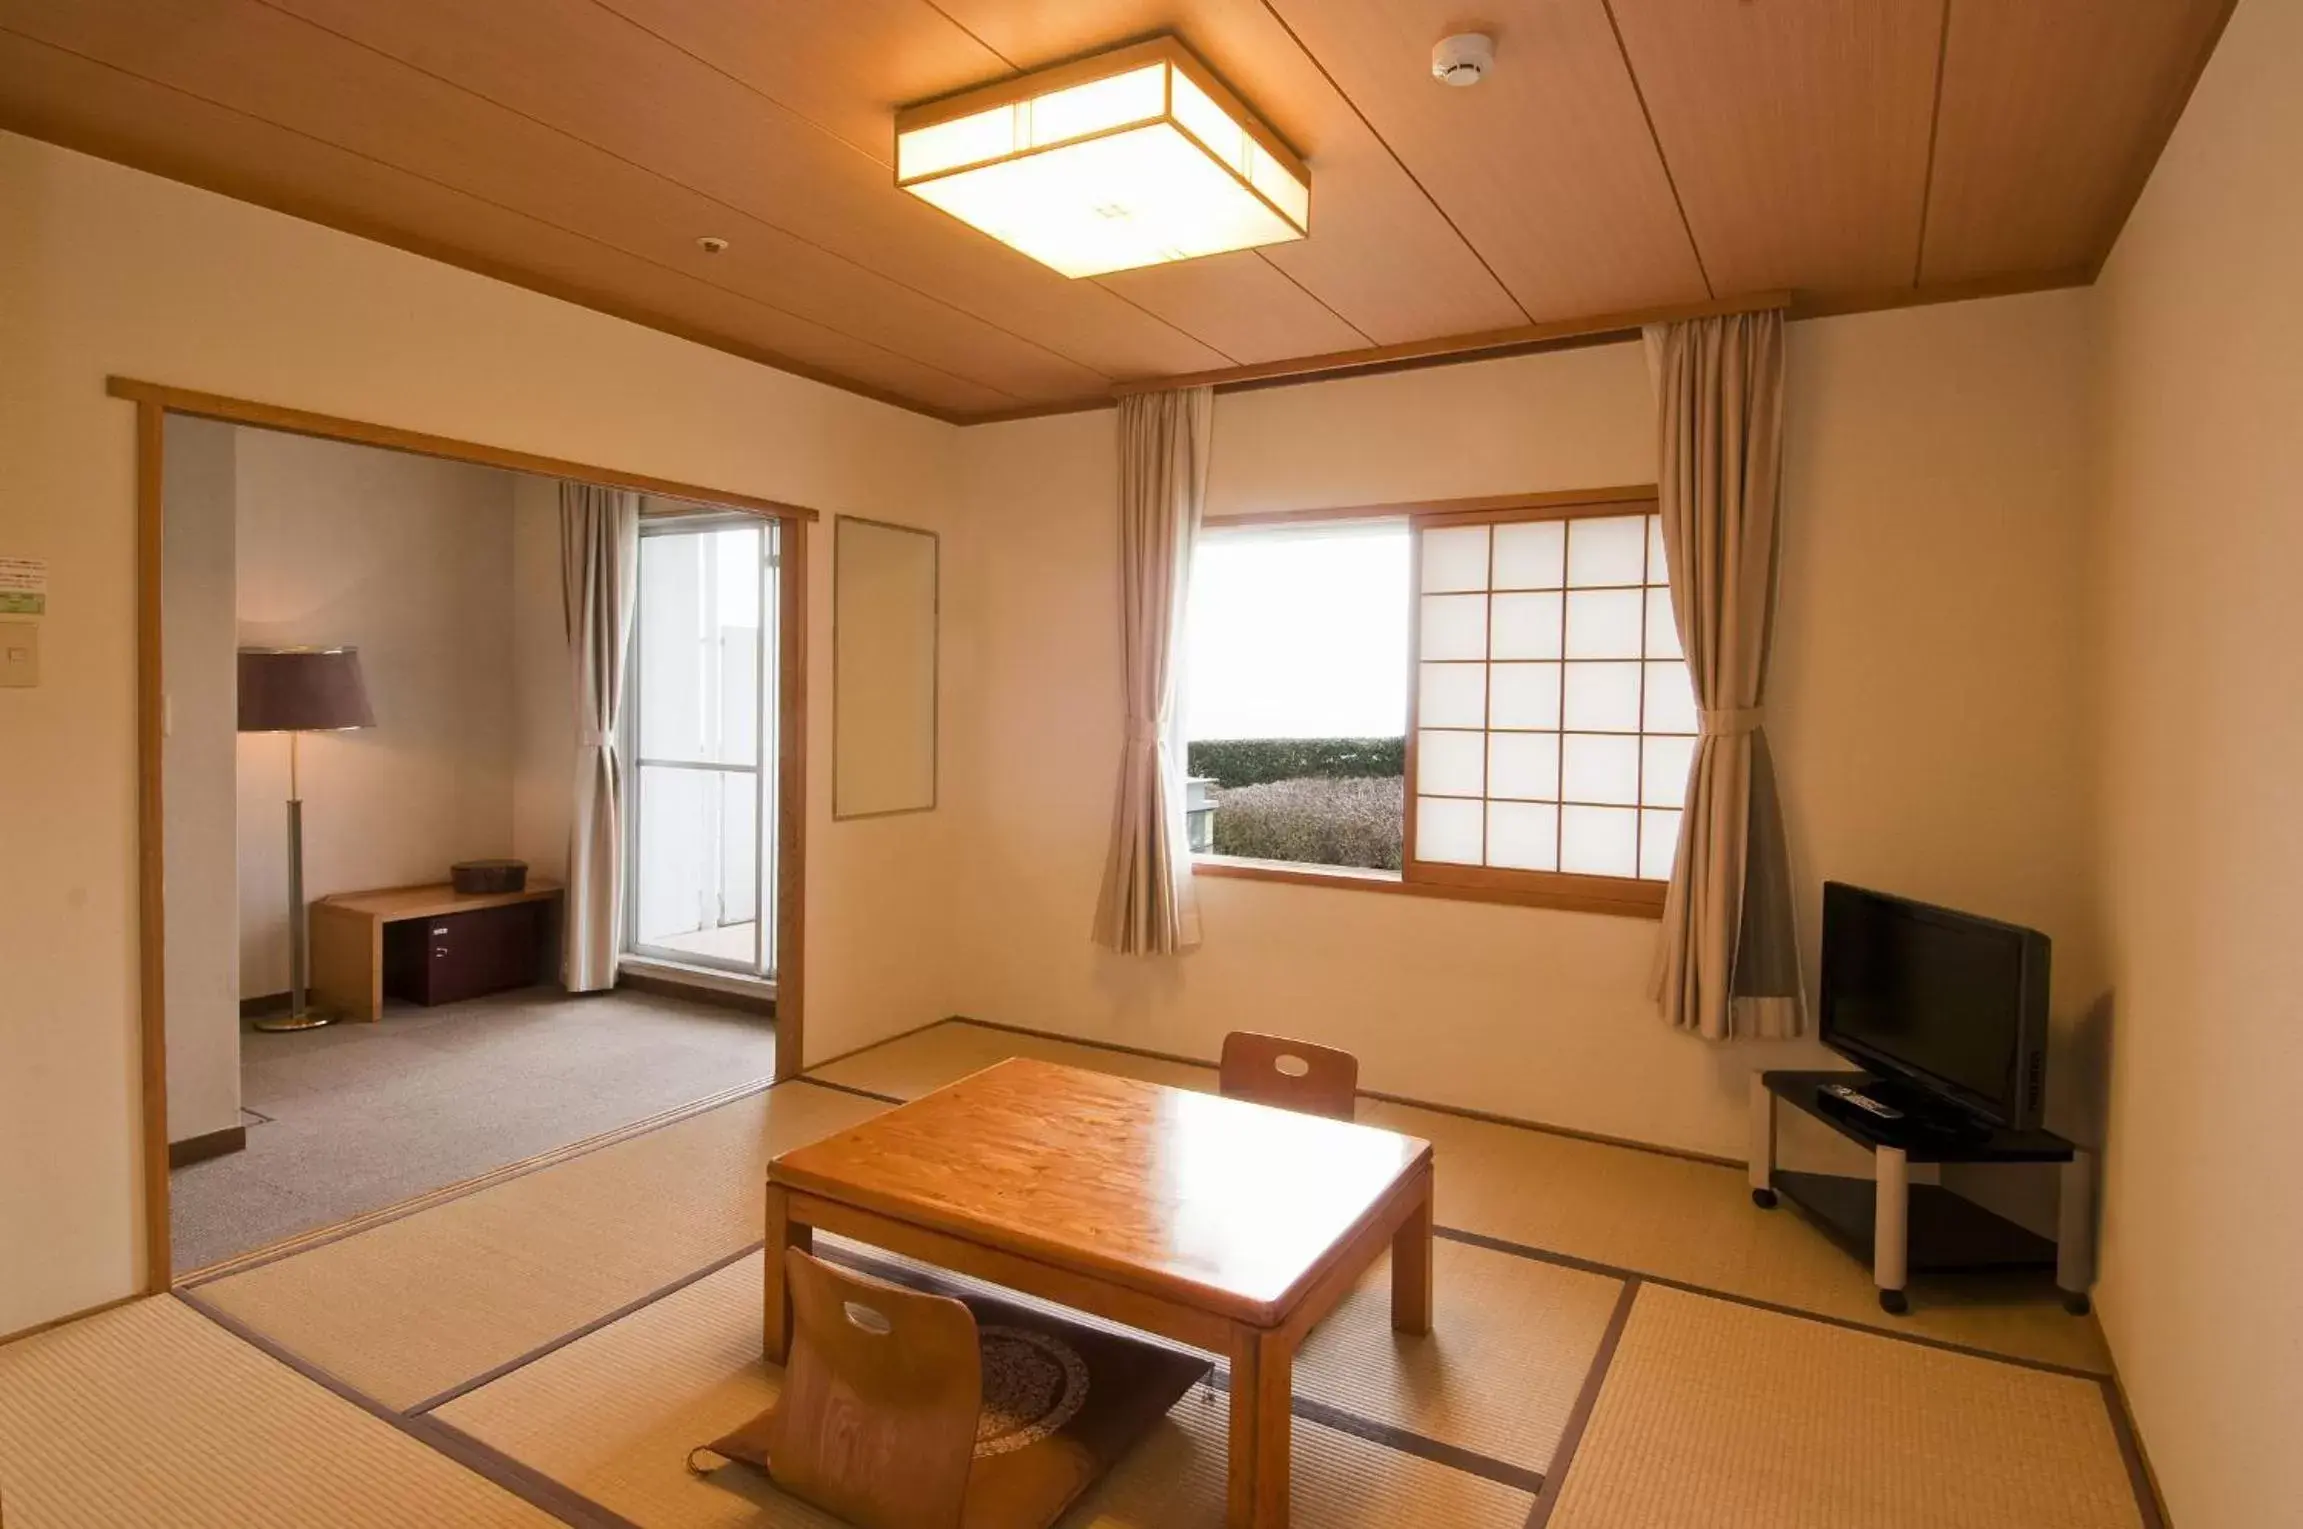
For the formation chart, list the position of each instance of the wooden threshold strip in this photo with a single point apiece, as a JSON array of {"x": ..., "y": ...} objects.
[
  {"x": 266, "y": 416},
  {"x": 1456, "y": 346}
]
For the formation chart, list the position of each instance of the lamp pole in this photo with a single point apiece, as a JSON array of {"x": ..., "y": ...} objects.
[
  {"x": 298, "y": 1017},
  {"x": 297, "y": 691}
]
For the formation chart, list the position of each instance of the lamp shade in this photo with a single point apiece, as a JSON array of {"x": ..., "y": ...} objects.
[{"x": 302, "y": 690}]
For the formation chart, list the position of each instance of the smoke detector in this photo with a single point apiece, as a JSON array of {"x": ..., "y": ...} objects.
[
  {"x": 711, "y": 245},
  {"x": 1463, "y": 59}
]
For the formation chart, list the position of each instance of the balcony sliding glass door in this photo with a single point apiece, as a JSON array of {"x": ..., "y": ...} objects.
[{"x": 702, "y": 726}]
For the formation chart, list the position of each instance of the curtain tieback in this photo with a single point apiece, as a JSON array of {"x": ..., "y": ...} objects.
[
  {"x": 1143, "y": 732},
  {"x": 1733, "y": 722},
  {"x": 594, "y": 738}
]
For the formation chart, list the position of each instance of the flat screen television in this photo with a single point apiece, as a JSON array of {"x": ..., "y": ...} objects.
[{"x": 1946, "y": 1004}]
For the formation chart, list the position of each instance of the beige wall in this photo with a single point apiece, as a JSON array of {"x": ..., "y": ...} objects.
[
  {"x": 408, "y": 559},
  {"x": 198, "y": 632},
  {"x": 544, "y": 742},
  {"x": 2199, "y": 632},
  {"x": 1926, "y": 709},
  {"x": 104, "y": 270}
]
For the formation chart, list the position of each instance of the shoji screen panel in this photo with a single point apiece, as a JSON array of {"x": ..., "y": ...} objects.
[{"x": 1553, "y": 719}]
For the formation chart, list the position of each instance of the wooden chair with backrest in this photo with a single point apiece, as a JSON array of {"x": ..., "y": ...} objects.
[
  {"x": 1292, "y": 1075},
  {"x": 877, "y": 1421}
]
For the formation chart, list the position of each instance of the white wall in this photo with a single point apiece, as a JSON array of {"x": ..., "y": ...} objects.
[
  {"x": 2198, "y": 634},
  {"x": 106, "y": 270},
  {"x": 408, "y": 559},
  {"x": 1925, "y": 710},
  {"x": 201, "y": 881}
]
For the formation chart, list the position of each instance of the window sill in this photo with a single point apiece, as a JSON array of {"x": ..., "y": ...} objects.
[{"x": 1572, "y": 894}]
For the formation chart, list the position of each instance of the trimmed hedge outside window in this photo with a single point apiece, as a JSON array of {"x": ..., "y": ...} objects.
[{"x": 1313, "y": 801}]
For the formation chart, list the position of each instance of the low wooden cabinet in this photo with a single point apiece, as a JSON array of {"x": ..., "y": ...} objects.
[
  {"x": 450, "y": 956},
  {"x": 429, "y": 944}
]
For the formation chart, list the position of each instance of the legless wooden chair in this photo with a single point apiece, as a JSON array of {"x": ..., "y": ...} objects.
[
  {"x": 1292, "y": 1075},
  {"x": 877, "y": 1421}
]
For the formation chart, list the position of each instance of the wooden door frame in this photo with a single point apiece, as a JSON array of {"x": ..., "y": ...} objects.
[{"x": 154, "y": 403}]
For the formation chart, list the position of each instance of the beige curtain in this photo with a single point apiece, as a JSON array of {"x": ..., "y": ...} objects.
[
  {"x": 1729, "y": 963},
  {"x": 1147, "y": 907},
  {"x": 599, "y": 578}
]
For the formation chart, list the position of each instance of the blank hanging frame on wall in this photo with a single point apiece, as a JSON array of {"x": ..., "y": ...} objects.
[{"x": 884, "y": 667}]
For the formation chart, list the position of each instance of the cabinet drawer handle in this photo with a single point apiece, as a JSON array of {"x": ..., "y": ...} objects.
[
  {"x": 439, "y": 950},
  {"x": 439, "y": 929}
]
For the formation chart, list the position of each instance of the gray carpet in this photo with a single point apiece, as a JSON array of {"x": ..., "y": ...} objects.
[{"x": 356, "y": 1117}]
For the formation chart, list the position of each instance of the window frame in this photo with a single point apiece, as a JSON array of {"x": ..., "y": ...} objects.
[
  {"x": 1572, "y": 891},
  {"x": 766, "y": 768}
]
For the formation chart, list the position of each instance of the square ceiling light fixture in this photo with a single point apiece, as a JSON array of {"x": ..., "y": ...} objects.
[{"x": 1130, "y": 158}]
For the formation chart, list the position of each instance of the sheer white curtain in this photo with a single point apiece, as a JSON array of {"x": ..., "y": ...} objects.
[
  {"x": 1146, "y": 906},
  {"x": 599, "y": 582},
  {"x": 1729, "y": 963}
]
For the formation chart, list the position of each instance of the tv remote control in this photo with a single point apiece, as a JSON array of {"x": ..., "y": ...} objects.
[{"x": 1862, "y": 1101}]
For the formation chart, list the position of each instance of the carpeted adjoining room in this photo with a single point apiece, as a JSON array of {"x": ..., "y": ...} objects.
[
  {"x": 409, "y": 889},
  {"x": 356, "y": 1118}
]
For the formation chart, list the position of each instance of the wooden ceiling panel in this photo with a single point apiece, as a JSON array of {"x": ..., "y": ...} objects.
[
  {"x": 1380, "y": 253},
  {"x": 2052, "y": 114},
  {"x": 1796, "y": 132},
  {"x": 1627, "y": 157},
  {"x": 1258, "y": 309},
  {"x": 282, "y": 70},
  {"x": 601, "y": 79},
  {"x": 1546, "y": 167},
  {"x": 59, "y": 96},
  {"x": 844, "y": 65}
]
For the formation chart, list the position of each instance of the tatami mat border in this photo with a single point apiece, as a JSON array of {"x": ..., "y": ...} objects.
[
  {"x": 1593, "y": 1266},
  {"x": 2139, "y": 1476},
  {"x": 1387, "y": 1435},
  {"x": 1462, "y": 1111},
  {"x": 320, "y": 1237},
  {"x": 1399, "y": 1440},
  {"x": 524, "y": 1482},
  {"x": 571, "y": 1507},
  {"x": 850, "y": 1088},
  {"x": 1579, "y": 1416},
  {"x": 2145, "y": 1490},
  {"x": 522, "y": 1361}
]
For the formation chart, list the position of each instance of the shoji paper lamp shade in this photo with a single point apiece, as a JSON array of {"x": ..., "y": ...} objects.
[
  {"x": 302, "y": 690},
  {"x": 1131, "y": 158}
]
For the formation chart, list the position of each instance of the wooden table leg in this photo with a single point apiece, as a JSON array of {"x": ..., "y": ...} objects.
[
  {"x": 1411, "y": 1270},
  {"x": 783, "y": 1232},
  {"x": 1262, "y": 1429}
]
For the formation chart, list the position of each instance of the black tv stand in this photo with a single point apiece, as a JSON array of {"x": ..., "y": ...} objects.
[{"x": 1898, "y": 1226}]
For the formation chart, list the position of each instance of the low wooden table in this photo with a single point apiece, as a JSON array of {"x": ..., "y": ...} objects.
[
  {"x": 348, "y": 936},
  {"x": 1228, "y": 1226}
]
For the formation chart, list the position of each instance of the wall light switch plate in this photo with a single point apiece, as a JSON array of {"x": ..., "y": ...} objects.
[{"x": 19, "y": 654}]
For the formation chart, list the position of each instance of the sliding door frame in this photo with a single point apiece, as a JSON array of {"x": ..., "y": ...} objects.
[{"x": 154, "y": 403}]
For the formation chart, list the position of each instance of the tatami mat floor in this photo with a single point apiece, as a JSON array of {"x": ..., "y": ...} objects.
[
  {"x": 407, "y": 1310},
  {"x": 151, "y": 1414},
  {"x": 1621, "y": 1340},
  {"x": 1714, "y": 1415}
]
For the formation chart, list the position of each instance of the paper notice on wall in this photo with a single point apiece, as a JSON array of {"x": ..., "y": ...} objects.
[{"x": 23, "y": 586}]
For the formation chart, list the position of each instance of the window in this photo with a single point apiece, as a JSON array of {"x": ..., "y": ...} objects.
[
  {"x": 1295, "y": 693},
  {"x": 702, "y": 721},
  {"x": 1546, "y": 721}
]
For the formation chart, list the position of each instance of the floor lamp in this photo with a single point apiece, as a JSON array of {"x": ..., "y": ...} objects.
[{"x": 297, "y": 691}]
